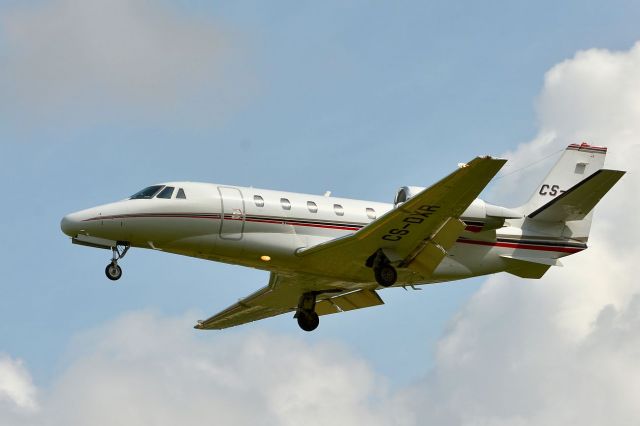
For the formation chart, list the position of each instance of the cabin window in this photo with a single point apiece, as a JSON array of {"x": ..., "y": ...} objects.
[
  {"x": 338, "y": 209},
  {"x": 146, "y": 193},
  {"x": 258, "y": 200},
  {"x": 371, "y": 213},
  {"x": 181, "y": 194},
  {"x": 167, "y": 192},
  {"x": 313, "y": 207},
  {"x": 286, "y": 204}
]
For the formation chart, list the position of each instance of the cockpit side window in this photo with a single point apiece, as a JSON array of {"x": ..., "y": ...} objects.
[
  {"x": 167, "y": 192},
  {"x": 181, "y": 194},
  {"x": 146, "y": 193}
]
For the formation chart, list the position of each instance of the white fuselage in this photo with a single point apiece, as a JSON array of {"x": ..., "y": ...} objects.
[{"x": 264, "y": 229}]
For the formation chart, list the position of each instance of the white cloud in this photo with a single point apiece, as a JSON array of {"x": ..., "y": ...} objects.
[
  {"x": 592, "y": 97},
  {"x": 139, "y": 57},
  {"x": 17, "y": 391},
  {"x": 144, "y": 369}
]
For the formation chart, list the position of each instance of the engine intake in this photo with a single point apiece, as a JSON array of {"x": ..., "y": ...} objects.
[{"x": 405, "y": 193}]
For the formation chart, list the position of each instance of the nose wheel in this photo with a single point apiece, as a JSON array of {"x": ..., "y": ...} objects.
[{"x": 113, "y": 271}]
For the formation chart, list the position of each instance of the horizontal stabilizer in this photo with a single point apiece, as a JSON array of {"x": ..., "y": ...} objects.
[
  {"x": 577, "y": 202},
  {"x": 539, "y": 260},
  {"x": 529, "y": 267}
]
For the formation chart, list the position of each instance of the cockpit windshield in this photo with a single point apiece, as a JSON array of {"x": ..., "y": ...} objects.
[
  {"x": 146, "y": 193},
  {"x": 167, "y": 192}
]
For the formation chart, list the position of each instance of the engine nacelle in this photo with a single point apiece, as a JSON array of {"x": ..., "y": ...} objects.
[
  {"x": 405, "y": 193},
  {"x": 479, "y": 216},
  {"x": 482, "y": 216}
]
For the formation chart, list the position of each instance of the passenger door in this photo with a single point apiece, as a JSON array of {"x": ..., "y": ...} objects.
[{"x": 233, "y": 213}]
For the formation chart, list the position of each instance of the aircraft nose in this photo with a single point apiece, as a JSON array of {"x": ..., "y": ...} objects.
[{"x": 70, "y": 224}]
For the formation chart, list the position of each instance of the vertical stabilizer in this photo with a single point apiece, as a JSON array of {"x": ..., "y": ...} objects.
[
  {"x": 563, "y": 203},
  {"x": 578, "y": 162}
]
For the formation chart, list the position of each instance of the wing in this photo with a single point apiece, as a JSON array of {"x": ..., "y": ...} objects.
[
  {"x": 417, "y": 233},
  {"x": 282, "y": 294}
]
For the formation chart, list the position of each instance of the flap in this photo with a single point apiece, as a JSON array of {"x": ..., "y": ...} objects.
[
  {"x": 349, "y": 301},
  {"x": 431, "y": 251}
]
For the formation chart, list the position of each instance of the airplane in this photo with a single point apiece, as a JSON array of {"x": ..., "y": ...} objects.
[{"x": 327, "y": 255}]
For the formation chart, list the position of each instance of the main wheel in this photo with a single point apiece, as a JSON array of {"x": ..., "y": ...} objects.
[
  {"x": 113, "y": 271},
  {"x": 386, "y": 275},
  {"x": 308, "y": 320}
]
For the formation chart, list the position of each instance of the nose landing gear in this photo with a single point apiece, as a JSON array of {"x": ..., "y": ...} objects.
[{"x": 113, "y": 270}]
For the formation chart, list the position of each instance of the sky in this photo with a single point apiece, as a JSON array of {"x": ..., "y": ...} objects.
[{"x": 103, "y": 97}]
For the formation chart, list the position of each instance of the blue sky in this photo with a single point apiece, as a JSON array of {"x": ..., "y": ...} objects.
[{"x": 355, "y": 97}]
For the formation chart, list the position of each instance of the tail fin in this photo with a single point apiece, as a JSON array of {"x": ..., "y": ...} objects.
[
  {"x": 571, "y": 190},
  {"x": 577, "y": 163}
]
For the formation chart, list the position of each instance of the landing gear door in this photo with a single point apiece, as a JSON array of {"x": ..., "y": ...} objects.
[{"x": 233, "y": 213}]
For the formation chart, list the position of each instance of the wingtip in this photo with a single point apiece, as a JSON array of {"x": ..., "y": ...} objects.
[{"x": 491, "y": 158}]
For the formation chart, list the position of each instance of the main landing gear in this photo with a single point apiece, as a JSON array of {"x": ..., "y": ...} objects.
[
  {"x": 306, "y": 315},
  {"x": 113, "y": 271},
  {"x": 385, "y": 274}
]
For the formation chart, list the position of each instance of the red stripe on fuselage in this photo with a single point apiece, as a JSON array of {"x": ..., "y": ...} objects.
[
  {"x": 513, "y": 245},
  {"x": 308, "y": 224},
  {"x": 522, "y": 246},
  {"x": 156, "y": 215},
  {"x": 217, "y": 217}
]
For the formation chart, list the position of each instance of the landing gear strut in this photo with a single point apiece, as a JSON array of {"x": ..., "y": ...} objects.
[
  {"x": 306, "y": 315},
  {"x": 113, "y": 271}
]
